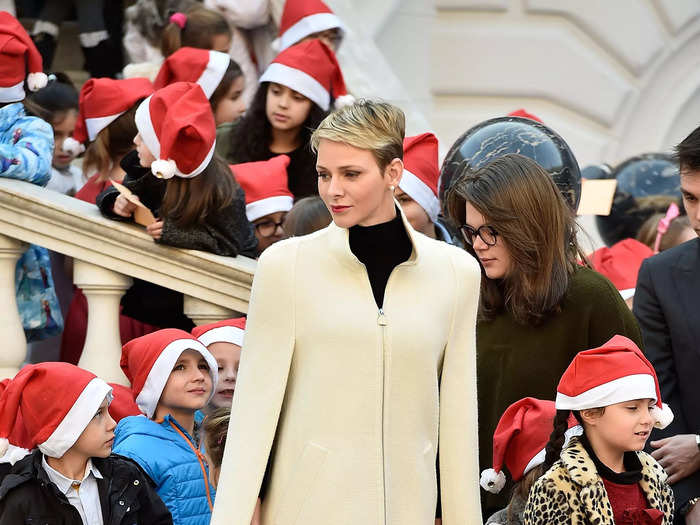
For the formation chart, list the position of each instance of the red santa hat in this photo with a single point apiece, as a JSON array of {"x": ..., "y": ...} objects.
[
  {"x": 310, "y": 68},
  {"x": 613, "y": 373},
  {"x": 301, "y": 18},
  {"x": 123, "y": 403},
  {"x": 56, "y": 402},
  {"x": 147, "y": 362},
  {"x": 226, "y": 331},
  {"x": 177, "y": 126},
  {"x": 421, "y": 172},
  {"x": 101, "y": 102},
  {"x": 524, "y": 114},
  {"x": 520, "y": 439},
  {"x": 206, "y": 67},
  {"x": 19, "y": 442},
  {"x": 19, "y": 58},
  {"x": 265, "y": 186},
  {"x": 620, "y": 263}
]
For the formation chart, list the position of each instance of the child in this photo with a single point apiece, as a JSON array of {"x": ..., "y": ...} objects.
[
  {"x": 198, "y": 204},
  {"x": 418, "y": 190},
  {"x": 224, "y": 340},
  {"x": 106, "y": 120},
  {"x": 57, "y": 104},
  {"x": 518, "y": 444},
  {"x": 603, "y": 476},
  {"x": 308, "y": 215},
  {"x": 220, "y": 77},
  {"x": 197, "y": 27},
  {"x": 267, "y": 197},
  {"x": 296, "y": 91},
  {"x": 71, "y": 477},
  {"x": 306, "y": 19},
  {"x": 171, "y": 374}
]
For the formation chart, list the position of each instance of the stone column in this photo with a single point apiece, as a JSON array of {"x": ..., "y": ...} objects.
[
  {"x": 203, "y": 312},
  {"x": 103, "y": 289},
  {"x": 11, "y": 332}
]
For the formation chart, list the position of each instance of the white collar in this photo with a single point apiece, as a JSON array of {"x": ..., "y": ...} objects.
[{"x": 63, "y": 483}]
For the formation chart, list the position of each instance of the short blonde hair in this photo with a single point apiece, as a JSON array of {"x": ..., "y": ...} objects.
[{"x": 367, "y": 124}]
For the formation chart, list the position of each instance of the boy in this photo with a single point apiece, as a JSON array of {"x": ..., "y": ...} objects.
[{"x": 71, "y": 477}]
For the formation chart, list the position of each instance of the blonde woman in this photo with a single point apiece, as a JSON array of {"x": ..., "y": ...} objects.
[{"x": 359, "y": 353}]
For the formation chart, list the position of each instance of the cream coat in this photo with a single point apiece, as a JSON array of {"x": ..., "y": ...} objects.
[{"x": 350, "y": 400}]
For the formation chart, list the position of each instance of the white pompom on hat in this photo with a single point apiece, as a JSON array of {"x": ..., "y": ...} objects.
[
  {"x": 310, "y": 68},
  {"x": 421, "y": 172},
  {"x": 54, "y": 402},
  {"x": 147, "y": 362},
  {"x": 265, "y": 184},
  {"x": 206, "y": 67},
  {"x": 301, "y": 18},
  {"x": 520, "y": 439},
  {"x": 19, "y": 61},
  {"x": 616, "y": 372},
  {"x": 177, "y": 125},
  {"x": 101, "y": 102}
]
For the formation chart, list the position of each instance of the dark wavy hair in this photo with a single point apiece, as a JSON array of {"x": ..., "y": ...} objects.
[
  {"x": 251, "y": 140},
  {"x": 233, "y": 71},
  {"x": 520, "y": 200}
]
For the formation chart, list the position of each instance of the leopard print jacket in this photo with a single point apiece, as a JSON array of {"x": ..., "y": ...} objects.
[{"x": 572, "y": 492}]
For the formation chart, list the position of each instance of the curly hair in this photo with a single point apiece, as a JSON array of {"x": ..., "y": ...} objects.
[{"x": 253, "y": 135}]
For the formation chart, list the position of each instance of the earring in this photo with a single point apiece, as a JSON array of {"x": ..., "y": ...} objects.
[{"x": 392, "y": 188}]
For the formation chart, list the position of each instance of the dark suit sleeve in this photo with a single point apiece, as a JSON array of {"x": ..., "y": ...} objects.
[{"x": 659, "y": 349}]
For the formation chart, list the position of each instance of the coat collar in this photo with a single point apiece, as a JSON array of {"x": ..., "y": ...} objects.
[
  {"x": 576, "y": 460},
  {"x": 339, "y": 240}
]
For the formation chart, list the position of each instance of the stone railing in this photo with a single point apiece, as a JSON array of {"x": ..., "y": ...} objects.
[{"x": 106, "y": 255}]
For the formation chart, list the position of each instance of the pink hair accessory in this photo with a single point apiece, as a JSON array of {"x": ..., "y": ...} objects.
[
  {"x": 179, "y": 19},
  {"x": 664, "y": 223}
]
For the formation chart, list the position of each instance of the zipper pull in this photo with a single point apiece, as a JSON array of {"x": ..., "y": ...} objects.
[{"x": 381, "y": 319}]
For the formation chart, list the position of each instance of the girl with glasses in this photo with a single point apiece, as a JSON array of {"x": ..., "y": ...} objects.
[{"x": 539, "y": 305}]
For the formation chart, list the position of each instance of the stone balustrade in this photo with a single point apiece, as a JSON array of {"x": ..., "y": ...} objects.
[{"x": 107, "y": 255}]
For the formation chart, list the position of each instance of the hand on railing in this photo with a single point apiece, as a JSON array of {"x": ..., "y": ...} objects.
[
  {"x": 123, "y": 207},
  {"x": 155, "y": 229}
]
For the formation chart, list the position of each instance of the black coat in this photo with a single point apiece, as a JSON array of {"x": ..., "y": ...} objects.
[
  {"x": 227, "y": 232},
  {"x": 127, "y": 496},
  {"x": 667, "y": 306}
]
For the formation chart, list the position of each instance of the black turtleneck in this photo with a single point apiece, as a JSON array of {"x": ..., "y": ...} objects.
[
  {"x": 381, "y": 248},
  {"x": 633, "y": 466}
]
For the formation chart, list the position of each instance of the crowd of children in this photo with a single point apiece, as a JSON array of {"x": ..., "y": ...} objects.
[{"x": 222, "y": 163}]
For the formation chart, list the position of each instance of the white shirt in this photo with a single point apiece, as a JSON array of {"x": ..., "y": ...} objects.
[
  {"x": 82, "y": 494},
  {"x": 67, "y": 181}
]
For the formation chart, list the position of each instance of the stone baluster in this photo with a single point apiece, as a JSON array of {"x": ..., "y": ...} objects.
[
  {"x": 103, "y": 289},
  {"x": 11, "y": 332},
  {"x": 203, "y": 312}
]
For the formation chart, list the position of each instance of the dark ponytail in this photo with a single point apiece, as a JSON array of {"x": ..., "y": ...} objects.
[
  {"x": 197, "y": 28},
  {"x": 556, "y": 439}
]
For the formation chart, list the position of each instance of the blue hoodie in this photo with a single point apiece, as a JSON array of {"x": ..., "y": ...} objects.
[{"x": 171, "y": 463}]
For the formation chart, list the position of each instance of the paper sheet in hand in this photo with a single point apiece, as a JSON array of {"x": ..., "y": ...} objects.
[
  {"x": 596, "y": 196},
  {"x": 142, "y": 215}
]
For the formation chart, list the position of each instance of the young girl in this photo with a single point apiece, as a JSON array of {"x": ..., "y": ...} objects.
[
  {"x": 172, "y": 375},
  {"x": 603, "y": 477},
  {"x": 197, "y": 27},
  {"x": 296, "y": 92},
  {"x": 519, "y": 444},
  {"x": 224, "y": 339},
  {"x": 198, "y": 204},
  {"x": 106, "y": 121},
  {"x": 71, "y": 476},
  {"x": 57, "y": 104},
  {"x": 303, "y": 20},
  {"x": 267, "y": 197},
  {"x": 220, "y": 77}
]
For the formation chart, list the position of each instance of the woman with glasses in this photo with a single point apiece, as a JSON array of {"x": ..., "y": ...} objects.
[
  {"x": 359, "y": 358},
  {"x": 540, "y": 304}
]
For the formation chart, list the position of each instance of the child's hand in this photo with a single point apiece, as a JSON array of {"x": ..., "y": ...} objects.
[
  {"x": 155, "y": 229},
  {"x": 123, "y": 207}
]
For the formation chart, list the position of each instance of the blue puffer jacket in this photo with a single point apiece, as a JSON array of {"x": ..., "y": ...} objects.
[
  {"x": 171, "y": 463},
  {"x": 26, "y": 146}
]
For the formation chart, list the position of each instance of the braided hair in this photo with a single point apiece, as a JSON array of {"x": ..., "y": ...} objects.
[{"x": 556, "y": 439}]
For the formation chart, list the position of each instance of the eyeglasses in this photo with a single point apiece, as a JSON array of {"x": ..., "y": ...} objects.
[
  {"x": 268, "y": 228},
  {"x": 485, "y": 232}
]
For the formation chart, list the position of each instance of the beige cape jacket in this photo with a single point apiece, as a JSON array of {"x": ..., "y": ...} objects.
[{"x": 351, "y": 401}]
